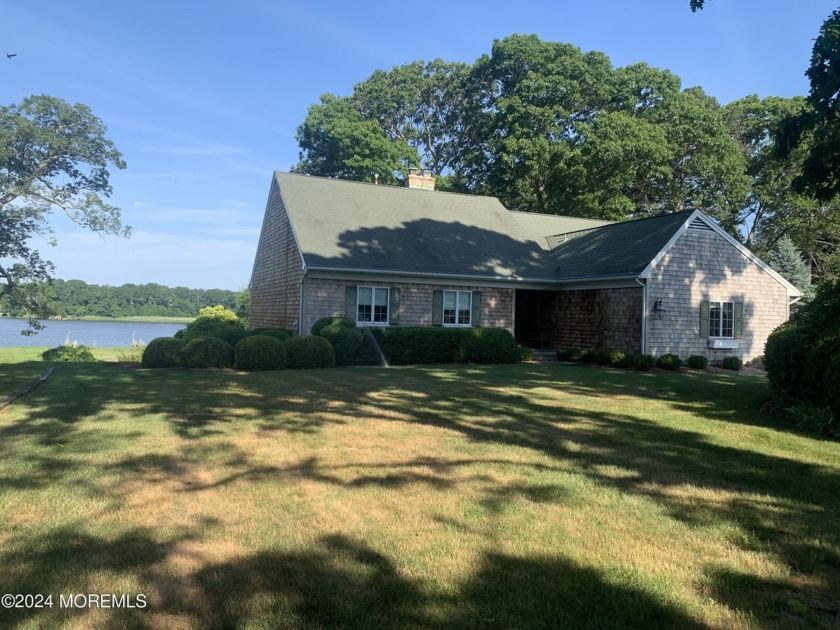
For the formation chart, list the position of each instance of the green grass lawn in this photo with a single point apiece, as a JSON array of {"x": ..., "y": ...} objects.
[{"x": 521, "y": 496}]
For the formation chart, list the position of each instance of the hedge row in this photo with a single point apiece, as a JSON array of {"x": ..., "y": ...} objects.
[
  {"x": 251, "y": 353},
  {"x": 642, "y": 362},
  {"x": 407, "y": 345},
  {"x": 415, "y": 344}
]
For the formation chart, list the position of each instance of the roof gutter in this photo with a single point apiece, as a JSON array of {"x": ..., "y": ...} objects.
[{"x": 456, "y": 276}]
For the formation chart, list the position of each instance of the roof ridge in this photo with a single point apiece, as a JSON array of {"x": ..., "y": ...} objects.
[
  {"x": 669, "y": 215},
  {"x": 388, "y": 186}
]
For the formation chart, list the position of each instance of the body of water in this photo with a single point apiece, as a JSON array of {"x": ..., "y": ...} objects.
[{"x": 88, "y": 333}]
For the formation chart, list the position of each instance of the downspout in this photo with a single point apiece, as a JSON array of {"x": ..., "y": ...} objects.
[
  {"x": 644, "y": 313},
  {"x": 300, "y": 310}
]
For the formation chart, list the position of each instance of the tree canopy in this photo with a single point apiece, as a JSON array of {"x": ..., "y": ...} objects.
[
  {"x": 52, "y": 155},
  {"x": 547, "y": 127},
  {"x": 543, "y": 126}
]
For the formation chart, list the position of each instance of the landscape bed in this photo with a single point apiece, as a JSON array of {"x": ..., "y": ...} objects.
[{"x": 438, "y": 496}]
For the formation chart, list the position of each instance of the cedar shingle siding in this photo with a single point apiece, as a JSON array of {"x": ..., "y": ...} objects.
[
  {"x": 278, "y": 269},
  {"x": 703, "y": 266}
]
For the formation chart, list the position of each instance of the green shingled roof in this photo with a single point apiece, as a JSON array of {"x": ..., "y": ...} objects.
[
  {"x": 614, "y": 250},
  {"x": 354, "y": 226},
  {"x": 357, "y": 226}
]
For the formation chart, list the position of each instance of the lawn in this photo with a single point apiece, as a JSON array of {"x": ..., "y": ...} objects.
[{"x": 524, "y": 496}]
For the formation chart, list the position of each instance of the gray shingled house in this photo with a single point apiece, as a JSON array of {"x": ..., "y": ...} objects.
[{"x": 389, "y": 256}]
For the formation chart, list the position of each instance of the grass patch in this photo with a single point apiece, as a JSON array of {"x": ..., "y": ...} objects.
[{"x": 457, "y": 496}]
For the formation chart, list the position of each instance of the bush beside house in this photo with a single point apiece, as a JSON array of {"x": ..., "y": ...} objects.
[{"x": 802, "y": 359}]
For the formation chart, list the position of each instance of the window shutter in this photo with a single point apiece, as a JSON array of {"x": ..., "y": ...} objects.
[
  {"x": 475, "y": 316},
  {"x": 394, "y": 307},
  {"x": 704, "y": 318},
  {"x": 437, "y": 308},
  {"x": 350, "y": 303},
  {"x": 738, "y": 320}
]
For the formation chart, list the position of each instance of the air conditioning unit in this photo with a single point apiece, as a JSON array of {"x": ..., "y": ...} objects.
[{"x": 721, "y": 344}]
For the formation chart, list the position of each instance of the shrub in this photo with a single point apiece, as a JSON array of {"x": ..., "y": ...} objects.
[
  {"x": 785, "y": 358},
  {"x": 643, "y": 362},
  {"x": 697, "y": 362},
  {"x": 261, "y": 331},
  {"x": 367, "y": 353},
  {"x": 817, "y": 420},
  {"x": 618, "y": 358},
  {"x": 277, "y": 333},
  {"x": 406, "y": 345},
  {"x": 572, "y": 354},
  {"x": 310, "y": 352},
  {"x": 68, "y": 354},
  {"x": 163, "y": 352},
  {"x": 346, "y": 322},
  {"x": 211, "y": 322},
  {"x": 208, "y": 352},
  {"x": 669, "y": 362},
  {"x": 490, "y": 345},
  {"x": 232, "y": 334},
  {"x": 259, "y": 353},
  {"x": 526, "y": 354},
  {"x": 732, "y": 363},
  {"x": 345, "y": 339}
]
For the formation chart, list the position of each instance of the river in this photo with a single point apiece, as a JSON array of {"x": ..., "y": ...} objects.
[{"x": 89, "y": 333}]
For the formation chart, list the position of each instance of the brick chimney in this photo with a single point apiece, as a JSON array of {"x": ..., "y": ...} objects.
[{"x": 424, "y": 181}]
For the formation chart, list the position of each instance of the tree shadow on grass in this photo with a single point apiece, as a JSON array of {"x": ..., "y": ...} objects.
[
  {"x": 346, "y": 584},
  {"x": 781, "y": 504}
]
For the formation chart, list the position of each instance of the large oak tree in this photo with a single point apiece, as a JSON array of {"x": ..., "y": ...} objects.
[{"x": 52, "y": 155}]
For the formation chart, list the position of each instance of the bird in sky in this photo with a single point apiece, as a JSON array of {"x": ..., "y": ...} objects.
[{"x": 9, "y": 55}]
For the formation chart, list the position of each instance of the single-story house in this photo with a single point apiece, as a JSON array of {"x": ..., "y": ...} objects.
[{"x": 413, "y": 256}]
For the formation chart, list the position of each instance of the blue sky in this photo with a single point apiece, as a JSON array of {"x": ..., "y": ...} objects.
[{"x": 203, "y": 98}]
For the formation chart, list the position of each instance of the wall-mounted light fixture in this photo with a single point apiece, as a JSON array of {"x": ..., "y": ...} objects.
[{"x": 658, "y": 309}]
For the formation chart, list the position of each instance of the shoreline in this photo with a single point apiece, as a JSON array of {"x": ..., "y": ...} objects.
[{"x": 139, "y": 319}]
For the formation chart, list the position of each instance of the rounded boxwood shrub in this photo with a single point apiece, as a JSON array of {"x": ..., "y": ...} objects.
[
  {"x": 643, "y": 362},
  {"x": 68, "y": 354},
  {"x": 345, "y": 339},
  {"x": 732, "y": 363},
  {"x": 669, "y": 362},
  {"x": 163, "y": 352},
  {"x": 346, "y": 322},
  {"x": 310, "y": 352},
  {"x": 277, "y": 333},
  {"x": 211, "y": 321},
  {"x": 232, "y": 334},
  {"x": 208, "y": 352},
  {"x": 697, "y": 362},
  {"x": 259, "y": 353}
]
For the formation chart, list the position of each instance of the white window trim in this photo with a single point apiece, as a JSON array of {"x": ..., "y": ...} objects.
[
  {"x": 373, "y": 305},
  {"x": 457, "y": 293},
  {"x": 720, "y": 319}
]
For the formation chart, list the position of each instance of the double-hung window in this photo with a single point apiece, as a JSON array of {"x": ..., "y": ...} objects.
[
  {"x": 722, "y": 319},
  {"x": 372, "y": 305},
  {"x": 457, "y": 308}
]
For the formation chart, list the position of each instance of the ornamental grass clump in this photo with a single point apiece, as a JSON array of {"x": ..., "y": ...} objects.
[
  {"x": 67, "y": 354},
  {"x": 259, "y": 353}
]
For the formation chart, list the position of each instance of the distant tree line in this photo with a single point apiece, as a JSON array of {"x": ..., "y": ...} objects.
[{"x": 76, "y": 298}]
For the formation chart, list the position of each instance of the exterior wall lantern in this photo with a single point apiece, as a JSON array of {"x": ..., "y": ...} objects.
[{"x": 658, "y": 310}]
